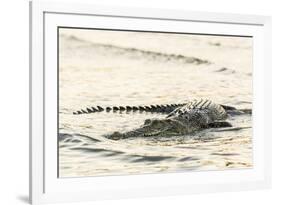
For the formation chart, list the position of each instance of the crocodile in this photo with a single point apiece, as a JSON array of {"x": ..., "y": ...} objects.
[{"x": 181, "y": 119}]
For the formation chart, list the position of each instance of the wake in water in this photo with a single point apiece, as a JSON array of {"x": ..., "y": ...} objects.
[{"x": 135, "y": 53}]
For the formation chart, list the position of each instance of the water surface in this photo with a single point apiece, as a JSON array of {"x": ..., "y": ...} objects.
[{"x": 109, "y": 68}]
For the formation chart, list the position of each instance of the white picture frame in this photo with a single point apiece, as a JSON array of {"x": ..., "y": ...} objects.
[{"x": 46, "y": 187}]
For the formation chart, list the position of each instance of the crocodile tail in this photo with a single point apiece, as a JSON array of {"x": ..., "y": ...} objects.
[{"x": 151, "y": 108}]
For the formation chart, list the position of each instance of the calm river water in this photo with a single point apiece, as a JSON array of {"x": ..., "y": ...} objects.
[{"x": 109, "y": 68}]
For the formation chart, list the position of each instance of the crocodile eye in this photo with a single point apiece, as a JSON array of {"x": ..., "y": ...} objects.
[
  {"x": 155, "y": 122},
  {"x": 147, "y": 121}
]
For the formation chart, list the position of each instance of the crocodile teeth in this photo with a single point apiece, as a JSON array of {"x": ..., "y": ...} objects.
[{"x": 151, "y": 134}]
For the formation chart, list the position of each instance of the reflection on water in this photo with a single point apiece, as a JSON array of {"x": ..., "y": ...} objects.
[{"x": 128, "y": 68}]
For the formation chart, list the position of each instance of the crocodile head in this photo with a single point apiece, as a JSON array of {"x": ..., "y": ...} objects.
[{"x": 153, "y": 127}]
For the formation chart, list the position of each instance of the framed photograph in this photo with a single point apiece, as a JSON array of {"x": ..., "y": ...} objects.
[{"x": 129, "y": 102}]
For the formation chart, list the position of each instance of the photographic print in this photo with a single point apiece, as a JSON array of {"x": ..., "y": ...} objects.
[{"x": 142, "y": 102}]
